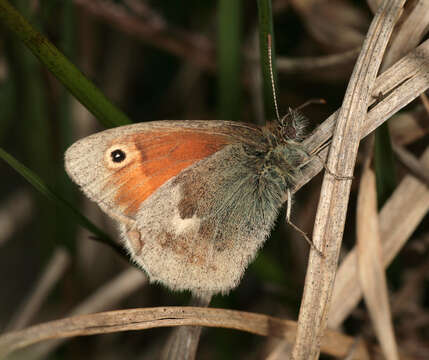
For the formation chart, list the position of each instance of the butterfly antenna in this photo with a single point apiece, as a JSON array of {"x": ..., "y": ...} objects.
[
  {"x": 270, "y": 60},
  {"x": 310, "y": 102}
]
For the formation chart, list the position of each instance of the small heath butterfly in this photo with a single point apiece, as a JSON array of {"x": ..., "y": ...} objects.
[{"x": 194, "y": 200}]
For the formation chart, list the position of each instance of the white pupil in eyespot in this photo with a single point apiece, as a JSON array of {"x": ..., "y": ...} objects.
[{"x": 117, "y": 156}]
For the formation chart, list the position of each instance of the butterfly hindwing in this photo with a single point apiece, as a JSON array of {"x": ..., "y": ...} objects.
[{"x": 199, "y": 232}]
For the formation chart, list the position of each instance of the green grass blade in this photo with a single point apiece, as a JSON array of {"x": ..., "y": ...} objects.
[
  {"x": 39, "y": 184},
  {"x": 83, "y": 89},
  {"x": 229, "y": 59},
  {"x": 384, "y": 165}
]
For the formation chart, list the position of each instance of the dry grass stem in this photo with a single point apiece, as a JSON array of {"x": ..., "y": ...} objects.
[
  {"x": 333, "y": 343},
  {"x": 332, "y": 208},
  {"x": 54, "y": 271},
  {"x": 370, "y": 264},
  {"x": 398, "y": 219}
]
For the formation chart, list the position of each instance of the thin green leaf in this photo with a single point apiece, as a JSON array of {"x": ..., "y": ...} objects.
[
  {"x": 83, "y": 89},
  {"x": 384, "y": 165},
  {"x": 38, "y": 183},
  {"x": 229, "y": 59}
]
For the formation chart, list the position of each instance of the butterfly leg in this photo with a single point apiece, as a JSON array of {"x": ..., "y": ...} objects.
[
  {"x": 288, "y": 220},
  {"x": 316, "y": 154},
  {"x": 337, "y": 177}
]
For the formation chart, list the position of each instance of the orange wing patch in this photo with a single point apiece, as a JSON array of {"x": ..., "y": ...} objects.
[{"x": 157, "y": 157}]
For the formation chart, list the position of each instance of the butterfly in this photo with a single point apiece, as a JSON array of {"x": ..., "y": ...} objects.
[{"x": 194, "y": 200}]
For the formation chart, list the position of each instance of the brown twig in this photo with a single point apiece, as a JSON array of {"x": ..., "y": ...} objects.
[{"x": 333, "y": 343}]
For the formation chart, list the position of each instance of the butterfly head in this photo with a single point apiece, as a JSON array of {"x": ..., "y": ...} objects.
[{"x": 291, "y": 127}]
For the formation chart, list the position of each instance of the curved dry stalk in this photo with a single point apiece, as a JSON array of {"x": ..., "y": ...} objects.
[
  {"x": 332, "y": 208},
  {"x": 333, "y": 343}
]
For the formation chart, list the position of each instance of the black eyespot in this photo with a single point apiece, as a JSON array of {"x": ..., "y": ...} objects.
[{"x": 118, "y": 156}]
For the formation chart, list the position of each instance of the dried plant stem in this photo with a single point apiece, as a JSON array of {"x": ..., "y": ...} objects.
[
  {"x": 331, "y": 214},
  {"x": 333, "y": 343}
]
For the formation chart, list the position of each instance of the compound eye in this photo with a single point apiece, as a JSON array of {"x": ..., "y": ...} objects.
[{"x": 118, "y": 155}]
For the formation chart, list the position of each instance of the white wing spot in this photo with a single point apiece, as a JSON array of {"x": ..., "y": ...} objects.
[{"x": 181, "y": 226}]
